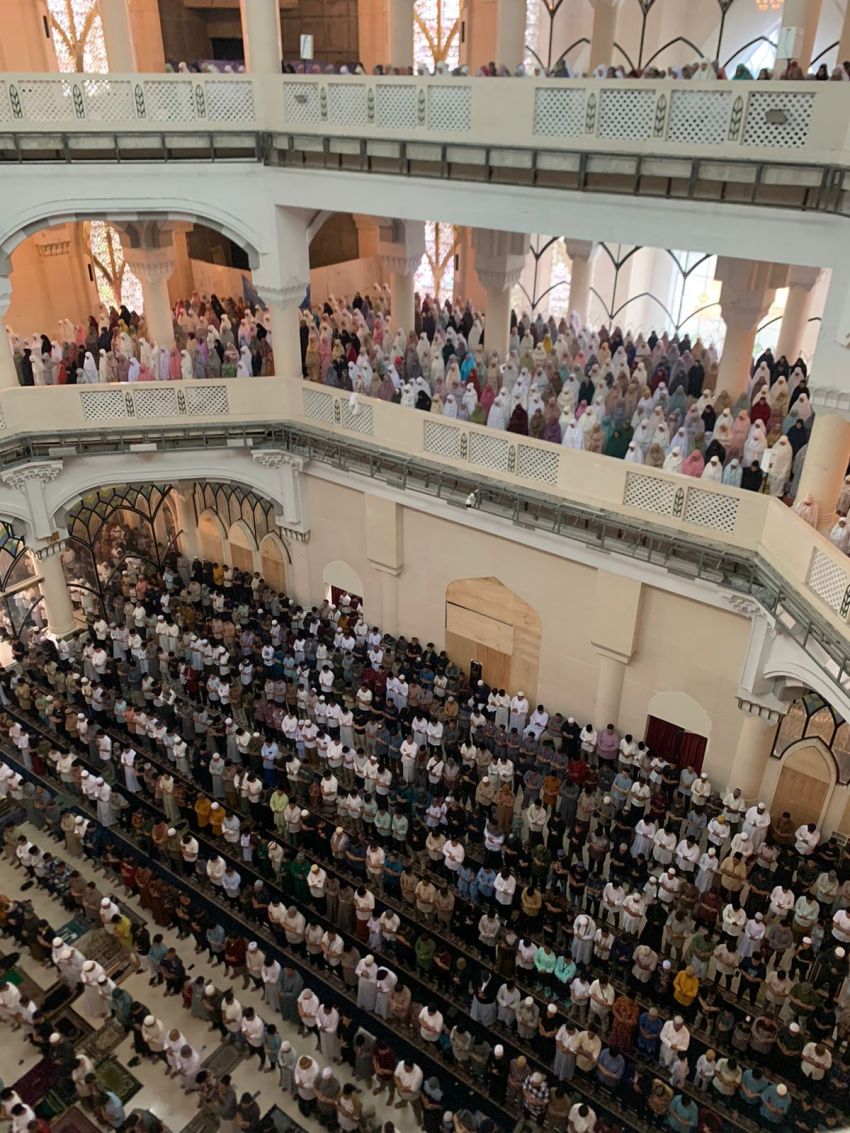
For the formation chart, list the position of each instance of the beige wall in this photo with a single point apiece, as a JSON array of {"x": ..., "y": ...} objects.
[
  {"x": 49, "y": 282},
  {"x": 690, "y": 651}
]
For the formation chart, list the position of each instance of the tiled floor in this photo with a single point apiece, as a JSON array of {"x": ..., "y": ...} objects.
[{"x": 159, "y": 1093}]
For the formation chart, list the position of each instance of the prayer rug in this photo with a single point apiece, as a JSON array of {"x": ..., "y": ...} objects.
[
  {"x": 74, "y": 1121},
  {"x": 33, "y": 1086},
  {"x": 202, "y": 1123},
  {"x": 101, "y": 1043},
  {"x": 117, "y": 1078},
  {"x": 223, "y": 1060}
]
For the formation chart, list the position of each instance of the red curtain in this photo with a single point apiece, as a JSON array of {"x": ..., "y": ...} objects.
[
  {"x": 692, "y": 751},
  {"x": 684, "y": 749},
  {"x": 664, "y": 738}
]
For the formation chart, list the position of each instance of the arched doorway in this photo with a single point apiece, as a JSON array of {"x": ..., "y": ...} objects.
[
  {"x": 211, "y": 535},
  {"x": 340, "y": 578},
  {"x": 273, "y": 563},
  {"x": 805, "y": 782},
  {"x": 488, "y": 623},
  {"x": 243, "y": 547}
]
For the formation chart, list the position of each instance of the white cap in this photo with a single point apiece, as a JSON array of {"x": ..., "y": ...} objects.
[
  {"x": 56, "y": 1037},
  {"x": 326, "y": 1072},
  {"x": 782, "y": 1089},
  {"x": 58, "y": 942},
  {"x": 105, "y": 903},
  {"x": 252, "y": 947},
  {"x": 215, "y": 806},
  {"x": 528, "y": 1001},
  {"x": 65, "y": 954},
  {"x": 149, "y": 1020},
  {"x": 286, "y": 1047},
  {"x": 209, "y": 989},
  {"x": 370, "y": 959},
  {"x": 794, "y": 1028},
  {"x": 840, "y": 953},
  {"x": 498, "y": 1050}
]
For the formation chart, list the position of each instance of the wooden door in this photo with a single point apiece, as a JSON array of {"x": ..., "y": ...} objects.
[{"x": 802, "y": 795}]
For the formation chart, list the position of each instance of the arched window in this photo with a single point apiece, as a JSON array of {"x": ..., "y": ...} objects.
[
  {"x": 436, "y": 33},
  {"x": 435, "y": 275},
  {"x": 812, "y": 718},
  {"x": 77, "y": 35},
  {"x": 116, "y": 284}
]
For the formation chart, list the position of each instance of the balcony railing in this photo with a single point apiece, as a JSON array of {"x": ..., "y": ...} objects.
[
  {"x": 802, "y": 122},
  {"x": 748, "y": 544}
]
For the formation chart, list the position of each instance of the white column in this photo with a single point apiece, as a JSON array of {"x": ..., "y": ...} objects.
[
  {"x": 510, "y": 32},
  {"x": 118, "y": 36},
  {"x": 403, "y": 296},
  {"x": 748, "y": 289},
  {"x": 400, "y": 33},
  {"x": 187, "y": 539},
  {"x": 755, "y": 743},
  {"x": 609, "y": 689},
  {"x": 54, "y": 590},
  {"x": 827, "y": 456},
  {"x": 285, "y": 319},
  {"x": 8, "y": 372},
  {"x": 499, "y": 262},
  {"x": 154, "y": 266},
  {"x": 389, "y": 597},
  {"x": 497, "y": 324},
  {"x": 795, "y": 318},
  {"x": 604, "y": 32},
  {"x": 581, "y": 253},
  {"x": 798, "y": 31},
  {"x": 261, "y": 36}
]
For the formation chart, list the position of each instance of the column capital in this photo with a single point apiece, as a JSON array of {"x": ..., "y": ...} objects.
[
  {"x": 42, "y": 472},
  {"x": 294, "y": 533},
  {"x": 581, "y": 249},
  {"x": 277, "y": 458},
  {"x": 499, "y": 279},
  {"x": 803, "y": 277},
  {"x": 499, "y": 257},
  {"x": 151, "y": 265},
  {"x": 290, "y": 293},
  {"x": 611, "y": 654},
  {"x": 767, "y": 708},
  {"x": 47, "y": 550},
  {"x": 403, "y": 265}
]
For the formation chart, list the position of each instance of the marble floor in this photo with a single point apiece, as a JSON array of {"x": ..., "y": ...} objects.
[{"x": 159, "y": 1093}]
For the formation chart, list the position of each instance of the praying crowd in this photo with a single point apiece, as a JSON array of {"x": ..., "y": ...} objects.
[
  {"x": 699, "y": 70},
  {"x": 552, "y": 919},
  {"x": 646, "y": 400}
]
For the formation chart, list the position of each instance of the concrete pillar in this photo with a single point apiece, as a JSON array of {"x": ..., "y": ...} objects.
[
  {"x": 153, "y": 267},
  {"x": 499, "y": 264},
  {"x": 497, "y": 325},
  {"x": 755, "y": 744},
  {"x": 511, "y": 16},
  {"x": 400, "y": 33},
  {"x": 604, "y": 32},
  {"x": 261, "y": 36},
  {"x": 282, "y": 280},
  {"x": 187, "y": 539},
  {"x": 58, "y": 608},
  {"x": 795, "y": 318},
  {"x": 388, "y": 577},
  {"x": 827, "y": 457},
  {"x": 581, "y": 253},
  {"x": 403, "y": 300},
  {"x": 748, "y": 289},
  {"x": 609, "y": 690},
  {"x": 8, "y": 372},
  {"x": 797, "y": 34},
  {"x": 285, "y": 319},
  {"x": 844, "y": 41},
  {"x": 118, "y": 36}
]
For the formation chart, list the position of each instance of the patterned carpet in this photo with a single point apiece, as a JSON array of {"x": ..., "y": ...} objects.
[
  {"x": 117, "y": 1078},
  {"x": 223, "y": 1060},
  {"x": 105, "y": 949},
  {"x": 101, "y": 1043},
  {"x": 68, "y": 1023},
  {"x": 201, "y": 1123},
  {"x": 36, "y": 1083},
  {"x": 74, "y": 1121}
]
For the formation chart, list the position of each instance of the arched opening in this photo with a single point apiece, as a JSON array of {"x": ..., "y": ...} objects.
[
  {"x": 678, "y": 728},
  {"x": 273, "y": 562},
  {"x": 805, "y": 782},
  {"x": 486, "y": 622},
  {"x": 243, "y": 547},
  {"x": 339, "y": 578},
  {"x": 211, "y": 537}
]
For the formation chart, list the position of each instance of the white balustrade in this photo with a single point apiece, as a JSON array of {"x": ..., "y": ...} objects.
[{"x": 806, "y": 121}]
